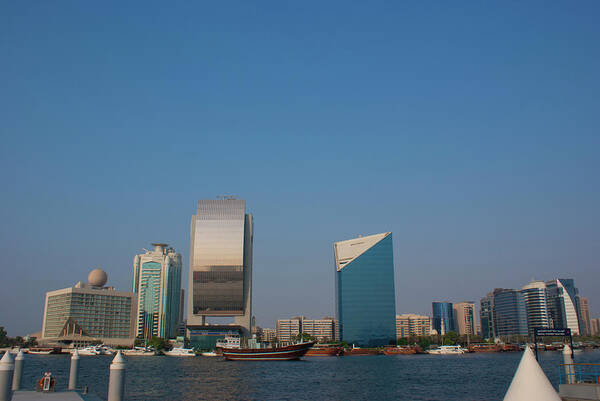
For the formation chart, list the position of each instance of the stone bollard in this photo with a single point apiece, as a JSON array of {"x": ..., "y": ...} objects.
[
  {"x": 116, "y": 380},
  {"x": 18, "y": 374},
  {"x": 73, "y": 373},
  {"x": 569, "y": 368},
  {"x": 6, "y": 374}
]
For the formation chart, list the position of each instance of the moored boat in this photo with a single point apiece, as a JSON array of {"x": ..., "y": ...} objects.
[
  {"x": 44, "y": 350},
  {"x": 285, "y": 353},
  {"x": 485, "y": 348},
  {"x": 447, "y": 350},
  {"x": 402, "y": 350},
  {"x": 138, "y": 351},
  {"x": 180, "y": 352},
  {"x": 325, "y": 350},
  {"x": 357, "y": 351}
]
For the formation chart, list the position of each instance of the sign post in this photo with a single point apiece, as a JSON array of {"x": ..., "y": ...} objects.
[{"x": 542, "y": 332}]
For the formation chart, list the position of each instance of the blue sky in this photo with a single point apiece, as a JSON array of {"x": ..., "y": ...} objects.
[{"x": 470, "y": 131}]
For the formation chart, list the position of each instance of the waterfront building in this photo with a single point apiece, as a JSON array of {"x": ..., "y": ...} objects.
[
  {"x": 268, "y": 335},
  {"x": 321, "y": 329},
  {"x": 563, "y": 304},
  {"x": 536, "y": 307},
  {"x": 586, "y": 326},
  {"x": 220, "y": 274},
  {"x": 365, "y": 295},
  {"x": 412, "y": 325},
  {"x": 157, "y": 281},
  {"x": 486, "y": 316},
  {"x": 464, "y": 318},
  {"x": 509, "y": 313},
  {"x": 595, "y": 327},
  {"x": 443, "y": 317},
  {"x": 288, "y": 329},
  {"x": 89, "y": 313}
]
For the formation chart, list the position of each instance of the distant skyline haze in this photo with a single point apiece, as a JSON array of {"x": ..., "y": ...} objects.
[{"x": 469, "y": 131}]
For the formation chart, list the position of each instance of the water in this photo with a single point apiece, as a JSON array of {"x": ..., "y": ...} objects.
[{"x": 400, "y": 377}]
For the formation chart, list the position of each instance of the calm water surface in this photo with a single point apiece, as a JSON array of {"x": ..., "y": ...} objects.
[{"x": 401, "y": 377}]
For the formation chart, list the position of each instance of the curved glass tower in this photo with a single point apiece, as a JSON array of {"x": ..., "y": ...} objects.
[
  {"x": 220, "y": 280},
  {"x": 365, "y": 295},
  {"x": 443, "y": 317}
]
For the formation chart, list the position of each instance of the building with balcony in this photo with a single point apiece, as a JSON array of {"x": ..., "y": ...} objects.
[
  {"x": 412, "y": 325},
  {"x": 89, "y": 313},
  {"x": 464, "y": 318},
  {"x": 157, "y": 281}
]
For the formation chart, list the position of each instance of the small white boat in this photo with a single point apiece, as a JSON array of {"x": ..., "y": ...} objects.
[
  {"x": 447, "y": 350},
  {"x": 209, "y": 353},
  {"x": 91, "y": 350},
  {"x": 180, "y": 352},
  {"x": 138, "y": 351},
  {"x": 230, "y": 342}
]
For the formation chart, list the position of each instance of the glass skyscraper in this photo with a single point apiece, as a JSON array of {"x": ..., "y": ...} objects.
[
  {"x": 534, "y": 295},
  {"x": 510, "y": 316},
  {"x": 563, "y": 304},
  {"x": 443, "y": 317},
  {"x": 365, "y": 295},
  {"x": 220, "y": 278},
  {"x": 157, "y": 281}
]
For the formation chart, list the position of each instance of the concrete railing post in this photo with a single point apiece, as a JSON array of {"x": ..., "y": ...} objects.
[
  {"x": 73, "y": 373},
  {"x": 18, "y": 374},
  {"x": 7, "y": 368},
  {"x": 116, "y": 380},
  {"x": 569, "y": 368}
]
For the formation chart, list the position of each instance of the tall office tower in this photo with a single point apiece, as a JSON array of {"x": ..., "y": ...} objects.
[
  {"x": 563, "y": 304},
  {"x": 510, "y": 316},
  {"x": 534, "y": 295},
  {"x": 220, "y": 281},
  {"x": 585, "y": 324},
  {"x": 486, "y": 316},
  {"x": 595, "y": 326},
  {"x": 365, "y": 296},
  {"x": 287, "y": 329},
  {"x": 464, "y": 318},
  {"x": 157, "y": 281},
  {"x": 89, "y": 313},
  {"x": 410, "y": 324},
  {"x": 443, "y": 317}
]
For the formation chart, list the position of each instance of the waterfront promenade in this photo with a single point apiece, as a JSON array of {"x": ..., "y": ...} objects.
[{"x": 402, "y": 377}]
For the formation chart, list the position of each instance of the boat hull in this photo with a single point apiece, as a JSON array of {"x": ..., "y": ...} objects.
[
  {"x": 287, "y": 353},
  {"x": 325, "y": 351}
]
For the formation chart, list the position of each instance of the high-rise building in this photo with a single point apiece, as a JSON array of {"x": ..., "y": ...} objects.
[
  {"x": 288, "y": 329},
  {"x": 509, "y": 313},
  {"x": 585, "y": 324},
  {"x": 595, "y": 326},
  {"x": 464, "y": 318},
  {"x": 443, "y": 317},
  {"x": 220, "y": 278},
  {"x": 412, "y": 325},
  {"x": 486, "y": 316},
  {"x": 536, "y": 307},
  {"x": 365, "y": 296},
  {"x": 563, "y": 304},
  {"x": 89, "y": 313},
  {"x": 157, "y": 281}
]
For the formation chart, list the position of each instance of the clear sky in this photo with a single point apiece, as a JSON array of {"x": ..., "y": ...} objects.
[{"x": 469, "y": 130}]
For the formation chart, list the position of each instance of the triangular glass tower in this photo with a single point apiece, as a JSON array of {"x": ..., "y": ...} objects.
[{"x": 365, "y": 295}]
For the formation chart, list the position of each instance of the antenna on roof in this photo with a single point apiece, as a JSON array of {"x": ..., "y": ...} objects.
[{"x": 227, "y": 197}]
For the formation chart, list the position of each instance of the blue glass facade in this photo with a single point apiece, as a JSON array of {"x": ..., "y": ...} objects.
[
  {"x": 366, "y": 300},
  {"x": 443, "y": 317},
  {"x": 510, "y": 314}
]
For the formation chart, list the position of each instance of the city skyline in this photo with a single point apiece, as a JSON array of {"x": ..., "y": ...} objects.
[{"x": 472, "y": 136}]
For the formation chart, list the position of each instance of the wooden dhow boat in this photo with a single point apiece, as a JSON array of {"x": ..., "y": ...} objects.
[{"x": 285, "y": 353}]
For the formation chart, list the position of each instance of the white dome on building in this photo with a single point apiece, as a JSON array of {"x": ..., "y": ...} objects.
[{"x": 97, "y": 278}]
